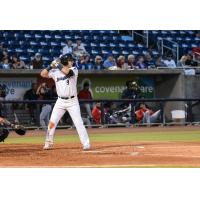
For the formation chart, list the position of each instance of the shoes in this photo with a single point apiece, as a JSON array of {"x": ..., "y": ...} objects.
[
  {"x": 48, "y": 145},
  {"x": 86, "y": 147}
]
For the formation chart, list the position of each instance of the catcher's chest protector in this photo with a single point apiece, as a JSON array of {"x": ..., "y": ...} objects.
[{"x": 3, "y": 133}]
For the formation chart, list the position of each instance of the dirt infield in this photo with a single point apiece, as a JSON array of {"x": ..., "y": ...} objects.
[{"x": 104, "y": 154}]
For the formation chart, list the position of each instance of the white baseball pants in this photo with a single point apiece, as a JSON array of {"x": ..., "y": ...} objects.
[{"x": 72, "y": 106}]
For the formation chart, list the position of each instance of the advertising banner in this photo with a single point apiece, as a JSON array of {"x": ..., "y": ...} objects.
[
  {"x": 112, "y": 87},
  {"x": 16, "y": 87}
]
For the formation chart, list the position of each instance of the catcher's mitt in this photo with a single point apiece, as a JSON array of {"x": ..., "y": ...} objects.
[
  {"x": 3, "y": 134},
  {"x": 19, "y": 129}
]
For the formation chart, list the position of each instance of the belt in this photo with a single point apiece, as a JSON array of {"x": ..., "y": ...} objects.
[{"x": 67, "y": 97}]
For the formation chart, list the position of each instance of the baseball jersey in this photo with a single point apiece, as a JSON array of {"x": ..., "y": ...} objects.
[{"x": 65, "y": 85}]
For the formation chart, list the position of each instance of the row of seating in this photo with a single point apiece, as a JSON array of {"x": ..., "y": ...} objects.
[
  {"x": 186, "y": 39},
  {"x": 97, "y": 42},
  {"x": 172, "y": 32}
]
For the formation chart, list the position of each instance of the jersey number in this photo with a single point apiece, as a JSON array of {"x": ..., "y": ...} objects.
[{"x": 67, "y": 81}]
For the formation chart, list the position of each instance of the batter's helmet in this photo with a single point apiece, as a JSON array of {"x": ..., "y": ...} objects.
[{"x": 65, "y": 58}]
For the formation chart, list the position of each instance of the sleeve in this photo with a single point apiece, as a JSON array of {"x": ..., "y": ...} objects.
[
  {"x": 51, "y": 74},
  {"x": 74, "y": 70}
]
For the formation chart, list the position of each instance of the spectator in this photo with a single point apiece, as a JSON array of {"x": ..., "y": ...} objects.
[
  {"x": 182, "y": 61},
  {"x": 44, "y": 93},
  {"x": 140, "y": 63},
  {"x": 31, "y": 95},
  {"x": 68, "y": 48},
  {"x": 98, "y": 65},
  {"x": 109, "y": 62},
  {"x": 198, "y": 34},
  {"x": 159, "y": 62},
  {"x": 37, "y": 62},
  {"x": 131, "y": 62},
  {"x": 17, "y": 63},
  {"x": 121, "y": 64},
  {"x": 169, "y": 62},
  {"x": 84, "y": 63},
  {"x": 86, "y": 94},
  {"x": 88, "y": 62},
  {"x": 1, "y": 52},
  {"x": 5, "y": 64},
  {"x": 96, "y": 113},
  {"x": 79, "y": 49},
  {"x": 190, "y": 62},
  {"x": 146, "y": 115},
  {"x": 5, "y": 55},
  {"x": 54, "y": 95},
  {"x": 148, "y": 60},
  {"x": 81, "y": 63}
]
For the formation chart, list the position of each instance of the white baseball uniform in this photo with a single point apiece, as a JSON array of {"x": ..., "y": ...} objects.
[{"x": 67, "y": 101}]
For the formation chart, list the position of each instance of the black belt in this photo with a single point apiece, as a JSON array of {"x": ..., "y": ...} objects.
[{"x": 67, "y": 97}]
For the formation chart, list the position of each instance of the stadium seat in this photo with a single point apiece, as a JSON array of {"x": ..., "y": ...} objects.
[{"x": 26, "y": 35}]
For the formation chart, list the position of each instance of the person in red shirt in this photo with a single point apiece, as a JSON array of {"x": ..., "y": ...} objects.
[
  {"x": 96, "y": 113},
  {"x": 85, "y": 93},
  {"x": 146, "y": 115}
]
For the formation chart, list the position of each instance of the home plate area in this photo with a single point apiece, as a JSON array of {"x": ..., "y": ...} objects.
[{"x": 115, "y": 154}]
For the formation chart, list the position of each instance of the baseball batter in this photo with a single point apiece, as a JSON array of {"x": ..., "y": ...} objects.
[{"x": 65, "y": 77}]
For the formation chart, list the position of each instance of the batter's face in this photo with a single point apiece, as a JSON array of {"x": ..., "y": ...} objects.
[{"x": 70, "y": 63}]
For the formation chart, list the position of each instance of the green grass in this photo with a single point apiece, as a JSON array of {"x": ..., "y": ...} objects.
[{"x": 116, "y": 137}]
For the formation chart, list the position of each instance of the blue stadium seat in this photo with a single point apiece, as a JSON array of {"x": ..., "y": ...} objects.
[
  {"x": 19, "y": 36},
  {"x": 13, "y": 43},
  {"x": 122, "y": 45},
  {"x": 26, "y": 35},
  {"x": 25, "y": 58},
  {"x": 58, "y": 37},
  {"x": 155, "y": 53},
  {"x": 77, "y": 37},
  {"x": 115, "y": 52},
  {"x": 19, "y": 50},
  {"x": 103, "y": 44},
  {"x": 124, "y": 52},
  {"x": 194, "y": 45},
  {"x": 55, "y": 44},
  {"x": 92, "y": 44},
  {"x": 112, "y": 44},
  {"x": 94, "y": 52},
  {"x": 105, "y": 52},
  {"x": 131, "y": 45},
  {"x": 8, "y": 35},
  {"x": 43, "y": 43},
  {"x": 135, "y": 52},
  {"x": 108, "y": 38},
  {"x": 32, "y": 50},
  {"x": 68, "y": 37},
  {"x": 34, "y": 43}
]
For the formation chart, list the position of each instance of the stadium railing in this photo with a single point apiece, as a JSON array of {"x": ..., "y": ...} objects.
[{"x": 188, "y": 104}]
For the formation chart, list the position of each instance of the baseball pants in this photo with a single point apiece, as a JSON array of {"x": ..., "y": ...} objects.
[{"x": 72, "y": 106}]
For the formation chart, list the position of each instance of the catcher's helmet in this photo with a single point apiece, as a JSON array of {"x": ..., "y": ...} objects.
[{"x": 65, "y": 58}]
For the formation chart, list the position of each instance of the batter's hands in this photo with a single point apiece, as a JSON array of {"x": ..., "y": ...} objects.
[{"x": 54, "y": 64}]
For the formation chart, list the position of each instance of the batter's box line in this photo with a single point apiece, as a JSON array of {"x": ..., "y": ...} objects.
[{"x": 168, "y": 155}]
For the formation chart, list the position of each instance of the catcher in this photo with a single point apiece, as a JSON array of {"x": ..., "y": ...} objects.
[{"x": 5, "y": 126}]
